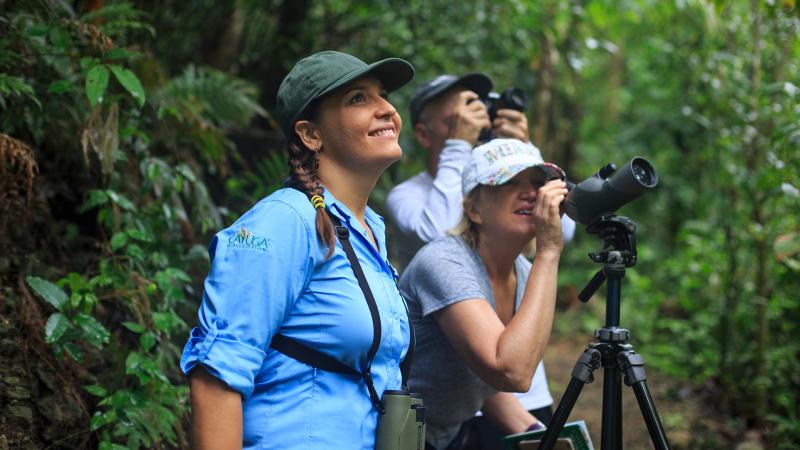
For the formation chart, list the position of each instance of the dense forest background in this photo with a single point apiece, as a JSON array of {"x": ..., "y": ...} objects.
[{"x": 131, "y": 131}]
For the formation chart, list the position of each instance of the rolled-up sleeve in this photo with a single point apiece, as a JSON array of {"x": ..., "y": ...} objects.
[{"x": 259, "y": 267}]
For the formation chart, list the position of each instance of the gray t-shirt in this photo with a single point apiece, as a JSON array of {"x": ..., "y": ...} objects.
[{"x": 444, "y": 272}]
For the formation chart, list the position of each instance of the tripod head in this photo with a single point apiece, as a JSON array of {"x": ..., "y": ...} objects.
[{"x": 619, "y": 250}]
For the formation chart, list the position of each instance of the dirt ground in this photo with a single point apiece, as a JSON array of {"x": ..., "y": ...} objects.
[{"x": 688, "y": 424}]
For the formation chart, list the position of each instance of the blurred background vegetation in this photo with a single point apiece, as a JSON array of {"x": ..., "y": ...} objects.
[{"x": 131, "y": 131}]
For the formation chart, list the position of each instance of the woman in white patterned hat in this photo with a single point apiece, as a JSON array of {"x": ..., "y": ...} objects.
[{"x": 481, "y": 311}]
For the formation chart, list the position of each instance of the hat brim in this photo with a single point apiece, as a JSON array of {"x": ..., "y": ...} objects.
[
  {"x": 504, "y": 175},
  {"x": 501, "y": 177},
  {"x": 475, "y": 82},
  {"x": 393, "y": 73}
]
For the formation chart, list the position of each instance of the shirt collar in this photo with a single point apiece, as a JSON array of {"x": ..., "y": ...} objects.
[{"x": 374, "y": 220}]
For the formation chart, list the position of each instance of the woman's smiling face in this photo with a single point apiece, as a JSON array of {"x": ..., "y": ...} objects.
[
  {"x": 358, "y": 127},
  {"x": 504, "y": 211}
]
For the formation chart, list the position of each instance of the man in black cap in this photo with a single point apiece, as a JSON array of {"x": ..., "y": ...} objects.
[{"x": 447, "y": 119}]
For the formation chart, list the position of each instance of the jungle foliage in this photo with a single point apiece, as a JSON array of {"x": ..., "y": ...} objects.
[{"x": 129, "y": 134}]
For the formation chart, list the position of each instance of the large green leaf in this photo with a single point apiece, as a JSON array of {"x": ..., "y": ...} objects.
[
  {"x": 93, "y": 331},
  {"x": 48, "y": 291},
  {"x": 118, "y": 240},
  {"x": 59, "y": 87},
  {"x": 96, "y": 198},
  {"x": 130, "y": 82},
  {"x": 96, "y": 390},
  {"x": 133, "y": 326},
  {"x": 96, "y": 84},
  {"x": 139, "y": 235},
  {"x": 56, "y": 326},
  {"x": 120, "y": 200}
]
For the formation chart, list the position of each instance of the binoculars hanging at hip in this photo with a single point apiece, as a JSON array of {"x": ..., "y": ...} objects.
[{"x": 402, "y": 426}]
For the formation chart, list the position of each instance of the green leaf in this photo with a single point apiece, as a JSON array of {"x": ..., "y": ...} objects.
[
  {"x": 10, "y": 85},
  {"x": 55, "y": 327},
  {"x": 75, "y": 281},
  {"x": 37, "y": 30},
  {"x": 100, "y": 281},
  {"x": 120, "y": 200},
  {"x": 121, "y": 53},
  {"x": 74, "y": 351},
  {"x": 96, "y": 390},
  {"x": 96, "y": 84},
  {"x": 99, "y": 420},
  {"x": 87, "y": 62},
  {"x": 59, "y": 37},
  {"x": 167, "y": 321},
  {"x": 166, "y": 277},
  {"x": 48, "y": 291},
  {"x": 93, "y": 331},
  {"x": 130, "y": 82},
  {"x": 89, "y": 302},
  {"x": 135, "y": 252},
  {"x": 59, "y": 87},
  {"x": 133, "y": 326},
  {"x": 96, "y": 198},
  {"x": 140, "y": 235},
  {"x": 75, "y": 299},
  {"x": 134, "y": 362},
  {"x": 147, "y": 341},
  {"x": 118, "y": 240}
]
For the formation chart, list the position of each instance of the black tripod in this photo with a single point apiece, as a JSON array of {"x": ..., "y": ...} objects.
[{"x": 610, "y": 348}]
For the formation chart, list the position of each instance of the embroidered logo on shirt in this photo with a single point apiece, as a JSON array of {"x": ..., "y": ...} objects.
[{"x": 246, "y": 240}]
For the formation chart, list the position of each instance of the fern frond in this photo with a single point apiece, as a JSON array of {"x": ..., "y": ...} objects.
[
  {"x": 207, "y": 96},
  {"x": 118, "y": 19},
  {"x": 16, "y": 86}
]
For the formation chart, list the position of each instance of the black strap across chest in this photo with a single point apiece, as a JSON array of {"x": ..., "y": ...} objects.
[{"x": 319, "y": 360}]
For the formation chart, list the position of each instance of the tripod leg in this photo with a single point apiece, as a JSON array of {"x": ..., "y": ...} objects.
[
  {"x": 619, "y": 412},
  {"x": 581, "y": 375},
  {"x": 650, "y": 415},
  {"x": 610, "y": 438},
  {"x": 633, "y": 366}
]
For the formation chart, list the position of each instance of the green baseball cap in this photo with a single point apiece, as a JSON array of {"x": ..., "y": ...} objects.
[{"x": 323, "y": 72}]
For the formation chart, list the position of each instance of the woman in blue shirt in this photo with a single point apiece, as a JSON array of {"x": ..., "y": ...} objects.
[{"x": 279, "y": 269}]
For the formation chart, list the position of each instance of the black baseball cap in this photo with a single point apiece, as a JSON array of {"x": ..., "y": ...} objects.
[
  {"x": 323, "y": 72},
  {"x": 476, "y": 82}
]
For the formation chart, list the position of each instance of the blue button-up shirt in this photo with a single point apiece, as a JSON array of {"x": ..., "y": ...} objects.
[{"x": 270, "y": 274}]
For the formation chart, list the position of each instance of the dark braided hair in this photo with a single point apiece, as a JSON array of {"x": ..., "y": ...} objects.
[{"x": 303, "y": 166}]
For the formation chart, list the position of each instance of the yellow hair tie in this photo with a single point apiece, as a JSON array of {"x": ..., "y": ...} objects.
[{"x": 317, "y": 201}]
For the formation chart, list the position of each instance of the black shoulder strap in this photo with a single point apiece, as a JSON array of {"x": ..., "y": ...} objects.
[
  {"x": 344, "y": 238},
  {"x": 314, "y": 358}
]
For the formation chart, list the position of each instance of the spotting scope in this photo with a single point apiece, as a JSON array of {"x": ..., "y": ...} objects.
[{"x": 609, "y": 189}]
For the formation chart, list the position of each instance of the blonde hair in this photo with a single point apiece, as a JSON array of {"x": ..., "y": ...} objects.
[{"x": 468, "y": 230}]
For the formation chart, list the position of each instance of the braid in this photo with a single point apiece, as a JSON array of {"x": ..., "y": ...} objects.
[{"x": 303, "y": 173}]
